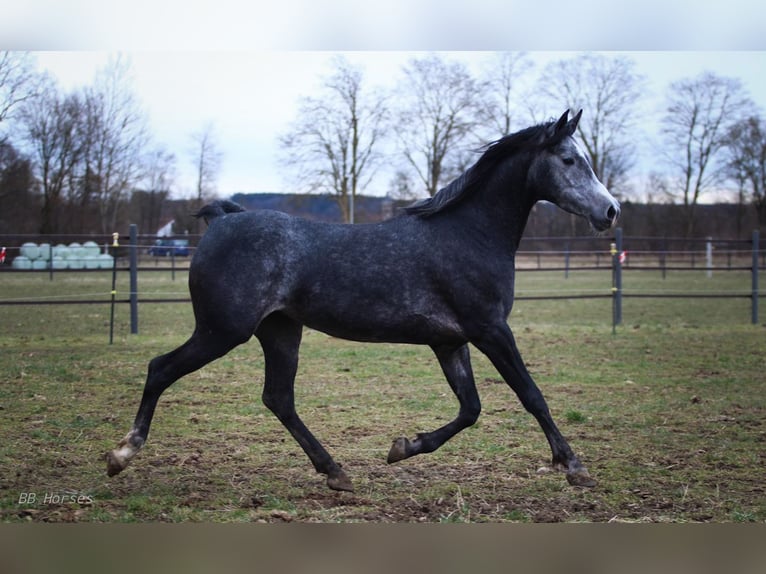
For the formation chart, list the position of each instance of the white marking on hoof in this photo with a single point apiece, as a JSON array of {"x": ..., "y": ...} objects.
[{"x": 118, "y": 459}]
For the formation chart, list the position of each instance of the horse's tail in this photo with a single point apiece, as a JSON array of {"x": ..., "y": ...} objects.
[{"x": 217, "y": 208}]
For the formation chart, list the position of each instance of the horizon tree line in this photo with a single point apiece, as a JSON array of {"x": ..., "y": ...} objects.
[{"x": 84, "y": 159}]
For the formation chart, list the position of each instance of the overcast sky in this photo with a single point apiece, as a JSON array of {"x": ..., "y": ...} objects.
[
  {"x": 243, "y": 67},
  {"x": 250, "y": 96}
]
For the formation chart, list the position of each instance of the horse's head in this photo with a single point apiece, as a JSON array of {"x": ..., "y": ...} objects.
[{"x": 562, "y": 174}]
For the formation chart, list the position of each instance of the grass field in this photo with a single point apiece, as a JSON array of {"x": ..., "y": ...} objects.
[{"x": 668, "y": 414}]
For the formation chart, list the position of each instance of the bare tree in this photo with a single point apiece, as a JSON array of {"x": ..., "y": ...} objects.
[
  {"x": 19, "y": 212},
  {"x": 607, "y": 88},
  {"x": 159, "y": 170},
  {"x": 699, "y": 114},
  {"x": 657, "y": 189},
  {"x": 439, "y": 111},
  {"x": 501, "y": 101},
  {"x": 114, "y": 135},
  {"x": 746, "y": 163},
  {"x": 207, "y": 158},
  {"x": 18, "y": 81},
  {"x": 401, "y": 186},
  {"x": 159, "y": 174},
  {"x": 50, "y": 128},
  {"x": 18, "y": 84},
  {"x": 334, "y": 143}
]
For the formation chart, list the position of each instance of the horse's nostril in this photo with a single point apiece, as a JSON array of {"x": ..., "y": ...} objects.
[{"x": 612, "y": 213}]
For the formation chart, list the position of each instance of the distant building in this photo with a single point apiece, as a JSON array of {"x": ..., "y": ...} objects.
[{"x": 167, "y": 229}]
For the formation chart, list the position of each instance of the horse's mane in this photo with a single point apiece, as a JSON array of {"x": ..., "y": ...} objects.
[{"x": 538, "y": 136}]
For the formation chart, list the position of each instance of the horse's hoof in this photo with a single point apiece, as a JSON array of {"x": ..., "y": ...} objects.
[
  {"x": 400, "y": 450},
  {"x": 339, "y": 481},
  {"x": 118, "y": 459},
  {"x": 580, "y": 477},
  {"x": 115, "y": 464}
]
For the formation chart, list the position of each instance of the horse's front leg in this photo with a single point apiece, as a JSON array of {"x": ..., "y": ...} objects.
[{"x": 500, "y": 347}]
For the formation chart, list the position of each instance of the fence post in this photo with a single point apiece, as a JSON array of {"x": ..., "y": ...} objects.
[
  {"x": 709, "y": 257},
  {"x": 133, "y": 279},
  {"x": 616, "y": 249},
  {"x": 566, "y": 261},
  {"x": 754, "y": 304},
  {"x": 115, "y": 245},
  {"x": 620, "y": 249}
]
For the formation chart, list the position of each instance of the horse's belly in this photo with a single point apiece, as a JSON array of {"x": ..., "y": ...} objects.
[{"x": 370, "y": 326}]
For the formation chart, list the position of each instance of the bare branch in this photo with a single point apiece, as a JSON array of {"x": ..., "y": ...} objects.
[
  {"x": 18, "y": 81},
  {"x": 502, "y": 92}
]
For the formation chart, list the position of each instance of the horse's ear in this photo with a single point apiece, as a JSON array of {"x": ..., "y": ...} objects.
[
  {"x": 572, "y": 125},
  {"x": 561, "y": 122}
]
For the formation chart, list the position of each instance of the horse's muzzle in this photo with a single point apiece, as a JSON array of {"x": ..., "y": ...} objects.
[{"x": 608, "y": 219}]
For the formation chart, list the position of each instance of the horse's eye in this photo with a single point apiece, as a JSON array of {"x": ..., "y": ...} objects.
[{"x": 568, "y": 160}]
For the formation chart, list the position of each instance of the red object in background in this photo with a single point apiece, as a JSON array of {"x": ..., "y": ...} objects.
[{"x": 2, "y": 255}]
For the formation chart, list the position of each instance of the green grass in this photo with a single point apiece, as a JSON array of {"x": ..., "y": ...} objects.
[{"x": 668, "y": 415}]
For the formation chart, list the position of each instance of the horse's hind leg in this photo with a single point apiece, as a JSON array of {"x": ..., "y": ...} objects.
[
  {"x": 201, "y": 348},
  {"x": 280, "y": 338},
  {"x": 456, "y": 364}
]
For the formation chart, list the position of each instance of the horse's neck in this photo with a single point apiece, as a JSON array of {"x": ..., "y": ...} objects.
[{"x": 503, "y": 208}]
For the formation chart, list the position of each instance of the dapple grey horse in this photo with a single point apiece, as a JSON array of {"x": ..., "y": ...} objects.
[{"x": 439, "y": 274}]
